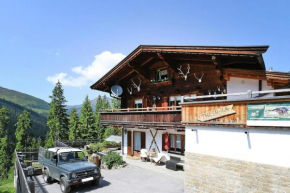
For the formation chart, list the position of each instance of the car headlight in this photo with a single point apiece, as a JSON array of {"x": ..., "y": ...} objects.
[
  {"x": 96, "y": 170},
  {"x": 74, "y": 175}
]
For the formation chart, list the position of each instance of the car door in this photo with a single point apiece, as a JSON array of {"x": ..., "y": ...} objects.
[{"x": 53, "y": 165}]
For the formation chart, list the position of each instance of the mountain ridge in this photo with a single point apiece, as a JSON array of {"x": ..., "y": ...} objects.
[{"x": 25, "y": 100}]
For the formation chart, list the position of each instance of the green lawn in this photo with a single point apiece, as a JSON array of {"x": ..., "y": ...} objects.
[{"x": 7, "y": 186}]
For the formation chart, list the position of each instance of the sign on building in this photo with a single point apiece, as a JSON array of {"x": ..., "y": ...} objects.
[
  {"x": 269, "y": 114},
  {"x": 216, "y": 113}
]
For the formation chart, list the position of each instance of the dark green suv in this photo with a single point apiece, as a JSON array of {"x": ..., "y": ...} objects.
[{"x": 67, "y": 165}]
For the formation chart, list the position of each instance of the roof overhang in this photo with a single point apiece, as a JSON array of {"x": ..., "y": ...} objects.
[{"x": 252, "y": 51}]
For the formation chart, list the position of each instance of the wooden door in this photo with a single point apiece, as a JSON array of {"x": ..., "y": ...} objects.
[
  {"x": 143, "y": 140},
  {"x": 129, "y": 143}
]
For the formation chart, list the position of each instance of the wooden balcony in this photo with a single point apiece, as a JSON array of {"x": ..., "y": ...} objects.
[
  {"x": 158, "y": 118},
  {"x": 247, "y": 112}
]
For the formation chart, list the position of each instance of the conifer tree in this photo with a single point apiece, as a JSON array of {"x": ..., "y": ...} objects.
[
  {"x": 34, "y": 143},
  {"x": 39, "y": 142},
  {"x": 74, "y": 132},
  {"x": 87, "y": 120},
  {"x": 4, "y": 149},
  {"x": 22, "y": 125},
  {"x": 99, "y": 128},
  {"x": 57, "y": 120},
  {"x": 105, "y": 103},
  {"x": 116, "y": 103}
]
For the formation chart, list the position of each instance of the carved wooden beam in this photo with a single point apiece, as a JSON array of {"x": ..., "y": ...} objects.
[
  {"x": 143, "y": 73},
  {"x": 106, "y": 86},
  {"x": 147, "y": 61},
  {"x": 167, "y": 62}
]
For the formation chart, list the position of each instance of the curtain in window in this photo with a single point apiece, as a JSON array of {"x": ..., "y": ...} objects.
[
  {"x": 178, "y": 142},
  {"x": 137, "y": 141}
]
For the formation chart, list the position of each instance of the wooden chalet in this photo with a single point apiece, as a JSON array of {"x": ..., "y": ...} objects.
[
  {"x": 155, "y": 78},
  {"x": 218, "y": 105}
]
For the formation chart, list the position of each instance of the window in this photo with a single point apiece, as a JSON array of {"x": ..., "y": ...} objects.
[
  {"x": 47, "y": 154},
  {"x": 162, "y": 74},
  {"x": 172, "y": 101},
  {"x": 178, "y": 99},
  {"x": 137, "y": 141},
  {"x": 138, "y": 103},
  {"x": 177, "y": 143}
]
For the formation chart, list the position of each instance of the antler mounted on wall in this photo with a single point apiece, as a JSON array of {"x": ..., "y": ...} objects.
[
  {"x": 130, "y": 91},
  {"x": 184, "y": 75},
  {"x": 199, "y": 79},
  {"x": 137, "y": 86}
]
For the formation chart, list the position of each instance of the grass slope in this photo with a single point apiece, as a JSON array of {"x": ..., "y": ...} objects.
[
  {"x": 7, "y": 186},
  {"x": 25, "y": 100}
]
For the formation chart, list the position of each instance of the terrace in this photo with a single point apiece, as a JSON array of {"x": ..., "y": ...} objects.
[{"x": 158, "y": 117}]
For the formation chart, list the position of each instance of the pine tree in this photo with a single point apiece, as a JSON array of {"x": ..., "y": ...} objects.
[
  {"x": 22, "y": 125},
  {"x": 39, "y": 142},
  {"x": 74, "y": 132},
  {"x": 34, "y": 143},
  {"x": 57, "y": 120},
  {"x": 87, "y": 120},
  {"x": 99, "y": 128},
  {"x": 4, "y": 149},
  {"x": 105, "y": 103},
  {"x": 116, "y": 103}
]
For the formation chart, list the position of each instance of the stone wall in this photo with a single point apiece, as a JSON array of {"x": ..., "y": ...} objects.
[{"x": 205, "y": 173}]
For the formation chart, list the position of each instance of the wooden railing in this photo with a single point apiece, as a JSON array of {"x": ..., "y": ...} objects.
[
  {"x": 165, "y": 116},
  {"x": 20, "y": 178},
  {"x": 171, "y": 108}
]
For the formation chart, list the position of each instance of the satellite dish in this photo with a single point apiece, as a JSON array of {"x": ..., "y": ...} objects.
[{"x": 116, "y": 90}]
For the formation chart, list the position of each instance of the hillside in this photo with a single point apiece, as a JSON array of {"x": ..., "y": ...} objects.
[
  {"x": 39, "y": 127},
  {"x": 25, "y": 100}
]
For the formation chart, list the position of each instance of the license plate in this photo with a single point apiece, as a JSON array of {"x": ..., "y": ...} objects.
[{"x": 87, "y": 179}]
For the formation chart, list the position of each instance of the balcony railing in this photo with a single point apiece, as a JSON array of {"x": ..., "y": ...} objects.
[
  {"x": 158, "y": 117},
  {"x": 171, "y": 108}
]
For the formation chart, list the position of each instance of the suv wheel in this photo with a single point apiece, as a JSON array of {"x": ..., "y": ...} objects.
[
  {"x": 46, "y": 177},
  {"x": 64, "y": 186},
  {"x": 96, "y": 182}
]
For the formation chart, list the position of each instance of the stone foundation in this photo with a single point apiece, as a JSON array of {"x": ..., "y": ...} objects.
[{"x": 205, "y": 173}]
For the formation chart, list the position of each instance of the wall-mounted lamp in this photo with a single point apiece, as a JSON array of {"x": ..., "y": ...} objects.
[{"x": 125, "y": 130}]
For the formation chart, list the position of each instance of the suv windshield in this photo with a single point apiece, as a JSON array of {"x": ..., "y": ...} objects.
[{"x": 72, "y": 156}]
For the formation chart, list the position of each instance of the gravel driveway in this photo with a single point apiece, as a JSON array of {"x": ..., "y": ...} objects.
[{"x": 131, "y": 179}]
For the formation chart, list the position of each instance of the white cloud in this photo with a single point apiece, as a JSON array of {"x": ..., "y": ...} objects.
[{"x": 85, "y": 75}]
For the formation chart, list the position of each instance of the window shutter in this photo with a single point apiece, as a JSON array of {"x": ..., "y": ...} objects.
[
  {"x": 143, "y": 140},
  {"x": 163, "y": 142}
]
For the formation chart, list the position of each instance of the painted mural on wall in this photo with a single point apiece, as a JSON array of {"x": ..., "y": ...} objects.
[{"x": 269, "y": 114}]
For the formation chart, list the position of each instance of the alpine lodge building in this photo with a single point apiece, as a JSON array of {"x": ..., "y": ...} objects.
[{"x": 215, "y": 107}]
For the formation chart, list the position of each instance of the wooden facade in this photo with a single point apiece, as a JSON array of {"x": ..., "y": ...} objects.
[
  {"x": 191, "y": 111},
  {"x": 208, "y": 68}
]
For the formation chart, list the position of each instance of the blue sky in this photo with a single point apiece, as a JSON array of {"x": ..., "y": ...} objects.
[{"x": 77, "y": 41}]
